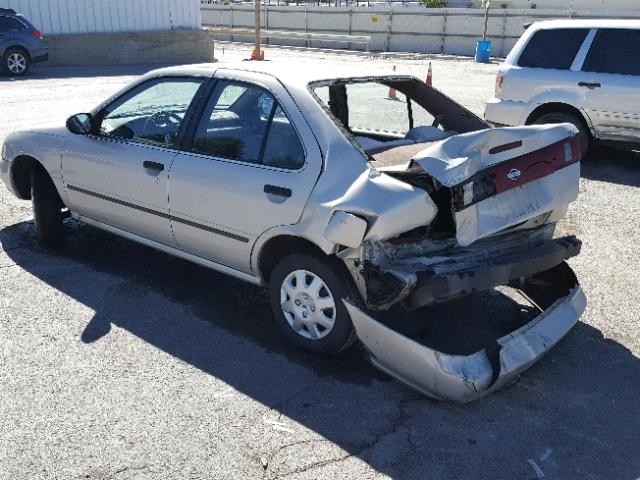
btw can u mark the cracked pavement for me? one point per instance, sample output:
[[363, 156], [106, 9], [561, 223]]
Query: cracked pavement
[[120, 362]]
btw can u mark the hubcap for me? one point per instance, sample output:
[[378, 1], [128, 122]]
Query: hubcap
[[17, 63], [307, 304]]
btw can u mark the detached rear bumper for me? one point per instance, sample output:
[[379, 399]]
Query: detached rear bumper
[[464, 378]]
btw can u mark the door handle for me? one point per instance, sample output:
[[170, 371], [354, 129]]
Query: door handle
[[590, 85], [279, 191], [158, 167]]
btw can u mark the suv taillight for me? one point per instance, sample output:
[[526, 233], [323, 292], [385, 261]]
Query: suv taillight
[[499, 82], [37, 34]]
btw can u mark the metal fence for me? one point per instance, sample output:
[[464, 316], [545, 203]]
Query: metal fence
[[397, 28], [87, 16]]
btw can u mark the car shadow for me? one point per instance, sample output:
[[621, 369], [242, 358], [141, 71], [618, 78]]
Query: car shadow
[[46, 73], [608, 164], [580, 403]]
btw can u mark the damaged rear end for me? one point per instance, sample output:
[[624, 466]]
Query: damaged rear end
[[498, 195]]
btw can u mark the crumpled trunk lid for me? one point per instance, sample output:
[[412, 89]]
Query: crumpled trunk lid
[[503, 177]]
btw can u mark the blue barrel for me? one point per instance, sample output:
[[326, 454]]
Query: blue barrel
[[483, 50]]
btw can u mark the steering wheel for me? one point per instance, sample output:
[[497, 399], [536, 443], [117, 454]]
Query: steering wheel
[[162, 121]]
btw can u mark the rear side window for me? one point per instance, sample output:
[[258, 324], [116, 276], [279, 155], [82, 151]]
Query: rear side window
[[553, 48], [245, 123], [615, 51], [9, 23]]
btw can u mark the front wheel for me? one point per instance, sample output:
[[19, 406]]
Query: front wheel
[[306, 293], [47, 208]]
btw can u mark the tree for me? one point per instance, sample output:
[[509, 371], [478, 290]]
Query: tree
[[433, 3]]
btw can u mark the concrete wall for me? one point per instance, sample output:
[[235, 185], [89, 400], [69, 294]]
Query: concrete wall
[[402, 29], [572, 4], [92, 16], [169, 47]]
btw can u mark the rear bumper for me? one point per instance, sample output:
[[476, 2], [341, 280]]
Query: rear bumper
[[465, 378], [40, 54], [506, 112], [440, 286], [40, 58]]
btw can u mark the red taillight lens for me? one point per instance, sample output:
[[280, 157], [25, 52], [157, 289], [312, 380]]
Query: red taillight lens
[[37, 34]]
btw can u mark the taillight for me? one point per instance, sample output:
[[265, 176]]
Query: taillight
[[516, 171], [499, 82], [37, 34]]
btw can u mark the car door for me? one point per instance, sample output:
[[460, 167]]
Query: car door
[[118, 174], [610, 81], [251, 166], [10, 31]]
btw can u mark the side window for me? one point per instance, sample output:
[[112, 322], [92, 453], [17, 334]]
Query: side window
[[370, 109], [614, 51], [150, 113], [8, 23], [553, 48], [243, 122], [283, 148]]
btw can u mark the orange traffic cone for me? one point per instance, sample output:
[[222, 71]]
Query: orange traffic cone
[[393, 95], [429, 80], [253, 55]]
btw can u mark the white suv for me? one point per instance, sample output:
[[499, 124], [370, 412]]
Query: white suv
[[586, 72]]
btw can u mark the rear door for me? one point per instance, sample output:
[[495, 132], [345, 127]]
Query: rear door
[[251, 165], [10, 31], [610, 82]]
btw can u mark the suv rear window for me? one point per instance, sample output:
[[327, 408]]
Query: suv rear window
[[615, 51], [553, 48], [8, 23]]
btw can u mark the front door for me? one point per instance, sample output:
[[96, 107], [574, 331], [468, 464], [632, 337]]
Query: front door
[[610, 81], [247, 170], [118, 175]]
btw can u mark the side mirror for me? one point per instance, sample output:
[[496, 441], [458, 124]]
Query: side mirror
[[80, 124]]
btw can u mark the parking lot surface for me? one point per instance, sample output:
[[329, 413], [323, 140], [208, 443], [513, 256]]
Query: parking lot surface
[[117, 361]]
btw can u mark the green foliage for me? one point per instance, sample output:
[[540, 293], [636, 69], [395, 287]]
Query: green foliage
[[433, 3]]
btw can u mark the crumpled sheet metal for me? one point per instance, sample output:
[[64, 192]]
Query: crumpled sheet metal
[[465, 378], [553, 192], [458, 158]]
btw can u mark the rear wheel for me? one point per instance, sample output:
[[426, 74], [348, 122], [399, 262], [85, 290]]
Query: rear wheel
[[306, 293], [562, 117], [47, 208], [15, 62]]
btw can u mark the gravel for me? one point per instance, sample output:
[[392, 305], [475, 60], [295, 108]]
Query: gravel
[[121, 362]]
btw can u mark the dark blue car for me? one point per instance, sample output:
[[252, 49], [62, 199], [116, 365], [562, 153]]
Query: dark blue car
[[21, 44]]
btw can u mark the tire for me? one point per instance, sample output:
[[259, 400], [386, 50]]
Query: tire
[[337, 285], [47, 208], [16, 62], [561, 117]]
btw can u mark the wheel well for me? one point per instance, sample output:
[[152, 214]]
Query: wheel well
[[18, 47], [21, 169], [279, 247], [557, 108]]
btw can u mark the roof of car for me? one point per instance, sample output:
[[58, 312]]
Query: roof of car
[[589, 23], [287, 72]]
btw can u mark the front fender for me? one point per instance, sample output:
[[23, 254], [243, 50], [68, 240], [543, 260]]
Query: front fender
[[44, 145]]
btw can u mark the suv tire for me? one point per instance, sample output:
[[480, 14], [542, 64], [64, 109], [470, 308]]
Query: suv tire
[[319, 296], [47, 208], [563, 117], [15, 62]]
